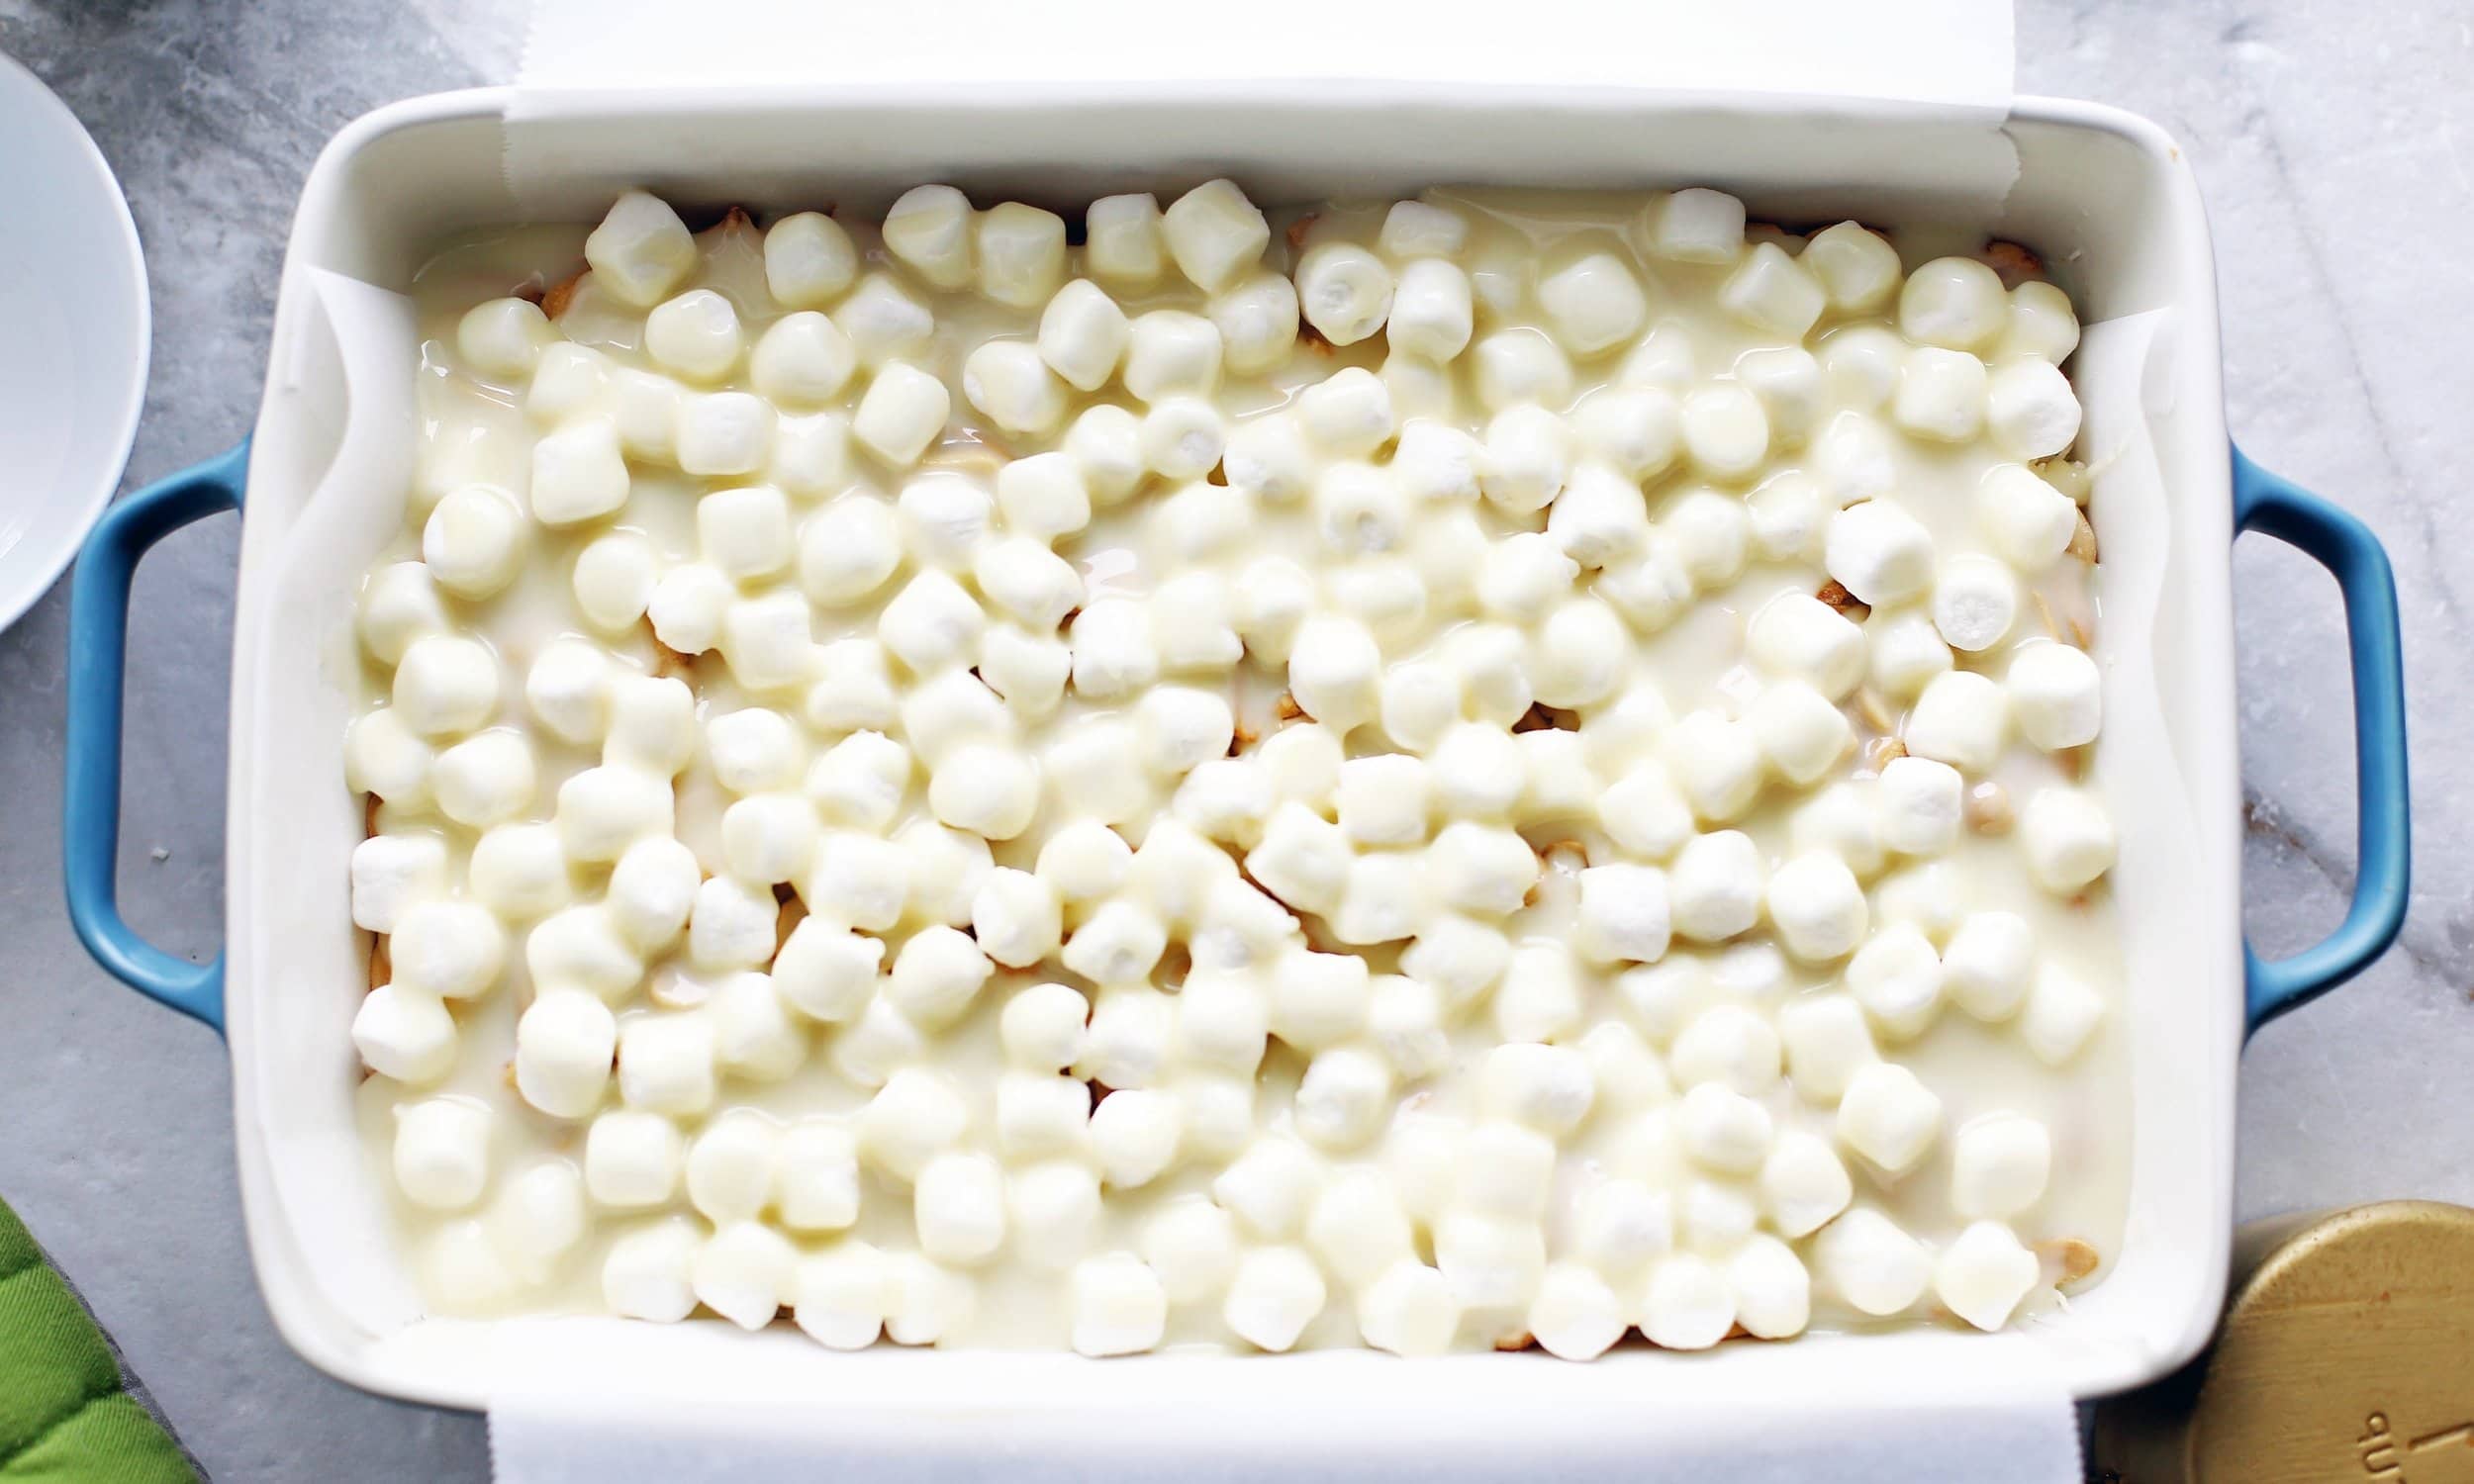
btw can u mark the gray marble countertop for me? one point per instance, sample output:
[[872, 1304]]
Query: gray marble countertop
[[2335, 145]]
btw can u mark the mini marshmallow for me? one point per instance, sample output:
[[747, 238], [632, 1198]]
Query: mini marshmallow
[[1773, 1291], [1344, 291], [2058, 696], [943, 519], [1687, 1304], [1695, 226], [1276, 1292], [1095, 769], [1540, 996], [1942, 395], [1489, 659], [1818, 907], [1505, 1171], [2070, 841], [1575, 1315], [753, 750], [731, 926], [398, 604], [1190, 624], [1083, 335], [1359, 510], [1787, 383], [1960, 719], [1803, 1184], [450, 949], [1897, 977], [1085, 860], [1317, 999], [1715, 886], [631, 1159], [1717, 1217], [720, 432], [1021, 253], [648, 1272], [689, 605], [958, 1205], [390, 873], [404, 1034], [1800, 636], [1926, 896], [1855, 460], [741, 1272], [1434, 461], [933, 623], [1862, 365], [585, 948], [1888, 1116], [1405, 1020], [1622, 1223], [1113, 651], [1636, 430], [1525, 458], [1858, 268], [884, 322], [1866, 1260], [1052, 1209], [1127, 1043], [729, 1167], [1383, 800], [1169, 352], [444, 686], [1134, 1135], [1953, 301], [1212, 231], [861, 781], [504, 337], [1839, 820], [1974, 602], [1724, 1130], [876, 1045], [1905, 653], [904, 411], [568, 689], [1592, 302], [1773, 292], [1257, 318], [990, 789], [1266, 456], [1218, 1113], [564, 1044], [1556, 778], [1118, 944], [2061, 1013], [473, 542], [1579, 653], [1270, 1187], [1798, 730], [1043, 497], [1523, 575], [768, 838], [1334, 671], [913, 1117], [1009, 382], [1987, 962], [1348, 414], [1730, 1045], [744, 532], [1225, 799], [2041, 323], [1999, 1164], [1489, 1261], [1704, 533], [1985, 1275], [666, 1063], [928, 228], [1643, 813], [1408, 1310], [1120, 1306], [1343, 1099], [1015, 918], [937, 976], [695, 335], [538, 1218], [1105, 443], [808, 259], [1725, 431], [604, 810], [1623, 914], [924, 1302], [1827, 1043], [640, 250], [1880, 552], [644, 408], [1916, 806], [1461, 958], [1431, 312], [1191, 1245], [827, 972], [1478, 867], [2030, 409], [838, 1296]]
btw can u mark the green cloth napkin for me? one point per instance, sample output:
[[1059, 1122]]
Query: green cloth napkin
[[66, 1415]]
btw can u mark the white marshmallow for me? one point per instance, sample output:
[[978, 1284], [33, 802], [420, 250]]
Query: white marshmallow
[[1818, 907], [1505, 1171], [1889, 1116], [1435, 461], [1523, 575], [648, 1272], [1334, 671], [1942, 395], [1359, 510], [937, 976], [732, 925], [943, 519], [884, 322], [958, 1205], [1134, 1135], [1488, 1262], [1127, 1043], [390, 873], [928, 228], [1905, 653], [1880, 552], [1113, 651], [1870, 1263], [1575, 1315], [915, 1116], [1191, 1245], [2041, 323], [631, 1159], [585, 948], [933, 623], [1800, 732], [1525, 458], [473, 542], [1383, 800], [1897, 977], [1855, 460], [1344, 291], [444, 686], [1695, 226], [1987, 965], [1704, 533], [1270, 1187], [825, 973], [1723, 1130], [695, 335], [1975, 602], [1787, 383], [1343, 1099], [1276, 1292], [2062, 1012], [2058, 696], [1052, 1211], [1985, 1275], [538, 1218], [808, 259], [990, 789], [1839, 820], [1730, 1045], [1579, 655], [1803, 1184], [1317, 999], [1644, 814], [1257, 318], [1770, 291], [640, 250], [1009, 382], [689, 605], [1960, 719], [453, 950], [1926, 896], [720, 432], [1827, 1043], [1558, 781], [861, 781], [1715, 886], [1623, 914], [1431, 311], [741, 1272], [666, 1063], [398, 604], [924, 1302], [1858, 268], [1212, 231], [644, 408], [902, 411], [1797, 636], [1773, 1291], [564, 1044], [1461, 958], [1478, 868], [604, 810], [1348, 414], [1687, 1304], [1916, 806], [1118, 944], [1029, 673], [877, 1044], [504, 337], [1169, 353], [652, 724], [1999, 1164], [744, 532], [838, 1296], [1726, 431], [1593, 302], [2069, 839], [1621, 1224], [729, 1167], [404, 1034], [1491, 659], [1120, 1306], [1021, 253], [568, 689], [1862, 365], [1953, 301], [769, 837], [1225, 799], [1408, 1310]]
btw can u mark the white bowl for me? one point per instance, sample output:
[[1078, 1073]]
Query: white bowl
[[73, 338]]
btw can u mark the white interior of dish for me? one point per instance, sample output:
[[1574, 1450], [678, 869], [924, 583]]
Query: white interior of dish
[[2105, 198]]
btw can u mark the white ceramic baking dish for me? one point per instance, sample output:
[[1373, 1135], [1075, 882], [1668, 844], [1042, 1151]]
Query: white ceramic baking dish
[[2105, 196]]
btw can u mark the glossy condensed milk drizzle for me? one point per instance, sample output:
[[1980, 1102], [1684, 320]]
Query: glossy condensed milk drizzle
[[1499, 769]]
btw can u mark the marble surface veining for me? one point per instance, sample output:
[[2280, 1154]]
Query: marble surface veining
[[2334, 143]]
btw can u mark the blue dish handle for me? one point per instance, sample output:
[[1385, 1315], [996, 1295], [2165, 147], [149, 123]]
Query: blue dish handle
[[98, 652], [2337, 540]]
